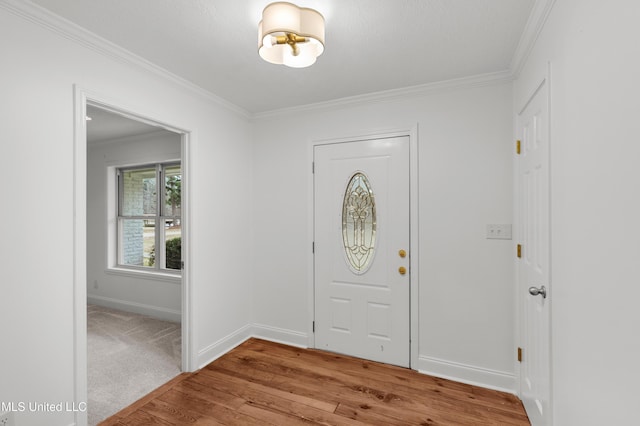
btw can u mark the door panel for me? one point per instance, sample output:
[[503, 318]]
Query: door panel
[[533, 269], [362, 311]]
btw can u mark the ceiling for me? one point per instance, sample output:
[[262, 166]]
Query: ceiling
[[108, 126], [371, 45]]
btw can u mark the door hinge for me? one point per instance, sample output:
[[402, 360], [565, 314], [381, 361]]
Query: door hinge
[[517, 147], [313, 167], [313, 247], [313, 326], [519, 251], [182, 264], [519, 354]]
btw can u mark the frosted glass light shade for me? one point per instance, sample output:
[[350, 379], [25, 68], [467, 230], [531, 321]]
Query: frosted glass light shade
[[290, 35]]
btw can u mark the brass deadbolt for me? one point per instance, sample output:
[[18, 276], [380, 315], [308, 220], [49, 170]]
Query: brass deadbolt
[[402, 270], [402, 253]]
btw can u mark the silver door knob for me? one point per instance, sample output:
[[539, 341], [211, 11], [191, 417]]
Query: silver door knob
[[538, 291]]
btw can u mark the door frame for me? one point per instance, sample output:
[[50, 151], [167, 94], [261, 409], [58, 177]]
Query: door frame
[[541, 82], [82, 97], [414, 305]]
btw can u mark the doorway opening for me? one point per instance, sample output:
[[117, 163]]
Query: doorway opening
[[134, 222], [130, 249]]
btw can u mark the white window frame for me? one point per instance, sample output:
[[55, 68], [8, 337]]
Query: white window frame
[[159, 217]]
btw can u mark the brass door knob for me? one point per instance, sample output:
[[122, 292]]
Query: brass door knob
[[402, 253], [402, 270]]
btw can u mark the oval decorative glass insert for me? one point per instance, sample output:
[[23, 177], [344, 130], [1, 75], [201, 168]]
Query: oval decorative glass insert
[[359, 223]]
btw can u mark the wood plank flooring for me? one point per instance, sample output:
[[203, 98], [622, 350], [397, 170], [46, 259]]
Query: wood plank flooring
[[265, 383]]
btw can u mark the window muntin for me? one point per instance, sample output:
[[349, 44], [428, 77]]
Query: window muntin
[[149, 220]]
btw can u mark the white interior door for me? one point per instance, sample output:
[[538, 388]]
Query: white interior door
[[361, 234], [533, 269]]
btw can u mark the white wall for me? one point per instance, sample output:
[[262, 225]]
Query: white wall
[[465, 173], [595, 67], [465, 145], [133, 292], [39, 69]]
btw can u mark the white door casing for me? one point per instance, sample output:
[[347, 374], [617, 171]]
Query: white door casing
[[534, 284], [82, 97], [363, 313]]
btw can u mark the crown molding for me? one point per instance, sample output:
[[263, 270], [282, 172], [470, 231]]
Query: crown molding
[[46, 19], [67, 29], [480, 80], [537, 19]]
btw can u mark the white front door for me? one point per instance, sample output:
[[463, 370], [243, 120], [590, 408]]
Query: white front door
[[361, 234], [533, 267]]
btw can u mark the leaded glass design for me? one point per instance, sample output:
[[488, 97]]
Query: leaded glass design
[[359, 223]]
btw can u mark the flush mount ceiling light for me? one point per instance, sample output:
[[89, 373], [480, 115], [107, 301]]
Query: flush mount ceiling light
[[290, 35]]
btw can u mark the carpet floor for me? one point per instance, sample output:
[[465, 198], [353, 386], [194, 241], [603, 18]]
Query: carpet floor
[[129, 355]]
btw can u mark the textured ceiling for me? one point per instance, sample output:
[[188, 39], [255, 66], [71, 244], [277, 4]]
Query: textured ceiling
[[371, 45]]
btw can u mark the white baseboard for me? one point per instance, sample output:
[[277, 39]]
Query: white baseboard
[[222, 346], [137, 308], [259, 331], [469, 374], [280, 335], [477, 376]]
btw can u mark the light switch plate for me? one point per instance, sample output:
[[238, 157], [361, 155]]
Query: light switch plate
[[499, 232]]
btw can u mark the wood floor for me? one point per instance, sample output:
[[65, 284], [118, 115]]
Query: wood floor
[[264, 383]]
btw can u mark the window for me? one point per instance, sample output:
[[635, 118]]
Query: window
[[149, 217], [359, 223]]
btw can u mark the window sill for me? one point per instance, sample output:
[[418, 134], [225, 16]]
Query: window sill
[[148, 275]]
